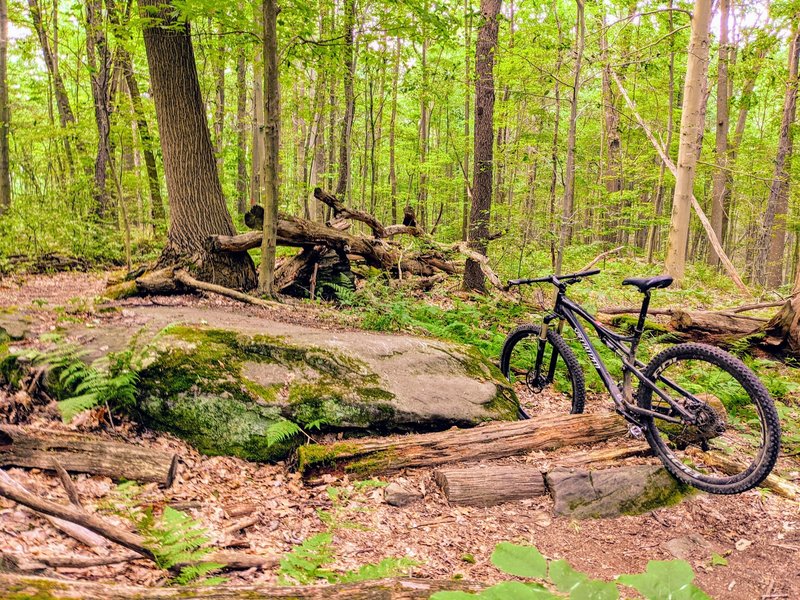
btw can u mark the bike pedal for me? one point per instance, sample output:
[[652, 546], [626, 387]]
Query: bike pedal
[[635, 431]]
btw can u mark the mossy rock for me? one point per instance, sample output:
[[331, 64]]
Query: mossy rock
[[634, 490], [223, 390]]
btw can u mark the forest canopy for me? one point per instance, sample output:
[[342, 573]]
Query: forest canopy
[[378, 104]]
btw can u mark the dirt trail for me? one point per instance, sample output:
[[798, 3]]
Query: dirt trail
[[758, 532]]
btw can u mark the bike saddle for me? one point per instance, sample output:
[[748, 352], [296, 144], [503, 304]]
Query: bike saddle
[[647, 283]]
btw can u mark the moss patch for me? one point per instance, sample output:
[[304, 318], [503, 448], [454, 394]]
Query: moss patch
[[196, 389]]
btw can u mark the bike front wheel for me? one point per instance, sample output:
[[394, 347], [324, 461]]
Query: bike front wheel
[[730, 441], [560, 384]]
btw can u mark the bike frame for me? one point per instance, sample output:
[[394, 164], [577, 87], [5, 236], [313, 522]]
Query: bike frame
[[624, 346]]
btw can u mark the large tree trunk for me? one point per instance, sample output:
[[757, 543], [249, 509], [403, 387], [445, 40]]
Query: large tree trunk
[[768, 263], [484, 142], [23, 586], [99, 59], [691, 136], [497, 440], [197, 206], [721, 175], [272, 122], [5, 176]]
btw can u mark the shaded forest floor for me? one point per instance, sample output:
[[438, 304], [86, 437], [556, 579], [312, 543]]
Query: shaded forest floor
[[757, 532]]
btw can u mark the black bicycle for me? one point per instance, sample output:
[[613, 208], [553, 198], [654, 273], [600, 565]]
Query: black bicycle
[[706, 415]]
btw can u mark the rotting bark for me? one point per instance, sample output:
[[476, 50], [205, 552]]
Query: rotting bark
[[80, 453], [389, 455], [380, 589]]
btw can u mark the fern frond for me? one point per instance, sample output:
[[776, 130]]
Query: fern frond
[[281, 431]]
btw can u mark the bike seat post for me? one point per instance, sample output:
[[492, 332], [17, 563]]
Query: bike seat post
[[643, 313]]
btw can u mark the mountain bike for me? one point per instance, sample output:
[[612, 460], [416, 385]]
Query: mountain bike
[[705, 414]]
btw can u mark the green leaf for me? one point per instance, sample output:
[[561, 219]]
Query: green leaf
[[564, 576], [522, 561], [579, 586], [516, 590], [448, 595], [593, 589], [665, 580], [717, 560]]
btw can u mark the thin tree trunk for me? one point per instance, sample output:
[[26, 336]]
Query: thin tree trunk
[[65, 114], [99, 58], [653, 233], [423, 140], [5, 175], [480, 214], [768, 263], [257, 154], [691, 135], [568, 201], [197, 206], [721, 175], [613, 170], [241, 132], [393, 129], [219, 113], [554, 147], [272, 120], [467, 103], [343, 184]]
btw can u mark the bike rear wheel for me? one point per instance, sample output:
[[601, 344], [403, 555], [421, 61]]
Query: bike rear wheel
[[734, 443], [561, 383]]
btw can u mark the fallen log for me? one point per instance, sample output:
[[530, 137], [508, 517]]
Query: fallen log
[[496, 440], [74, 515], [80, 453], [714, 323], [16, 586], [490, 485], [782, 487], [25, 562]]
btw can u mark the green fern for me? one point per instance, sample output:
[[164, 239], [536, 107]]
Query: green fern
[[304, 563], [111, 381], [281, 431]]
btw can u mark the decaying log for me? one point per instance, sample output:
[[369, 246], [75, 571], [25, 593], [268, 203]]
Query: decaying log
[[496, 440], [714, 323], [604, 455], [74, 515], [490, 485], [17, 586], [80, 453], [782, 332]]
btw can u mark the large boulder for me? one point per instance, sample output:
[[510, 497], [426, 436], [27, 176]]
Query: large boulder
[[222, 383]]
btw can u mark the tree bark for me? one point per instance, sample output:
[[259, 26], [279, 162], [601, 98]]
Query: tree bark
[[219, 109], [380, 589], [467, 193], [272, 116], [768, 263], [721, 175], [389, 455], [5, 118], [613, 168], [81, 453], [489, 485], [691, 136], [484, 142], [197, 206]]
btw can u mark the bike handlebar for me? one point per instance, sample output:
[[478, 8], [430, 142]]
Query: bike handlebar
[[556, 280]]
